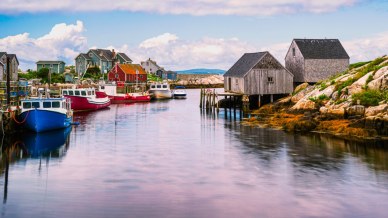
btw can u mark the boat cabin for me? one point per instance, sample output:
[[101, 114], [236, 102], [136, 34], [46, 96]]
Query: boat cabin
[[53, 104], [160, 86], [89, 92]]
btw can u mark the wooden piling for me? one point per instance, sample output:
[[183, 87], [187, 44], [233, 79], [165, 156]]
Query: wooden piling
[[200, 99]]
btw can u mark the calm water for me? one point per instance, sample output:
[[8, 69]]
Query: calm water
[[167, 159]]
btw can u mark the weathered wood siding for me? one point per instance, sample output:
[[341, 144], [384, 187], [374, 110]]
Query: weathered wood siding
[[321, 69], [257, 82], [295, 63], [2, 73], [237, 84]]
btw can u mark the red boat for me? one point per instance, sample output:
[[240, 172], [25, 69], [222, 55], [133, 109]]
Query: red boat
[[118, 98], [86, 99]]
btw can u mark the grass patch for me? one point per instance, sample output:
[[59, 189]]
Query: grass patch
[[370, 97], [358, 64], [319, 100]]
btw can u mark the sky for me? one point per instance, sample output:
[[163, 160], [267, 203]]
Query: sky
[[187, 34]]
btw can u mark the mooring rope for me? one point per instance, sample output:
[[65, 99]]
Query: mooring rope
[[18, 122]]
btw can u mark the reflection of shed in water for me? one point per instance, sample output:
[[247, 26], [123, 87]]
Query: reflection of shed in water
[[260, 76]]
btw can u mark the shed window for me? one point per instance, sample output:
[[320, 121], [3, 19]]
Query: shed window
[[293, 52], [236, 81], [270, 79]]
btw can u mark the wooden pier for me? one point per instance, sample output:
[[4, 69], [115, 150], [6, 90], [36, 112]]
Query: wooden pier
[[210, 101]]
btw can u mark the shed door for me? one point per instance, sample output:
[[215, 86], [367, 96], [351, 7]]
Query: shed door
[[230, 84]]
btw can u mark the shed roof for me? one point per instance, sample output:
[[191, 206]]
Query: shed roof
[[321, 49], [125, 57], [132, 68], [50, 62], [244, 64], [11, 56]]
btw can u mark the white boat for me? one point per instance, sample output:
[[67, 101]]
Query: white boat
[[179, 92], [160, 90]]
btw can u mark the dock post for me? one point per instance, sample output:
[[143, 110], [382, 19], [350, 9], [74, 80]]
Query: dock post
[[214, 100], [259, 101], [200, 99], [271, 98], [234, 107]]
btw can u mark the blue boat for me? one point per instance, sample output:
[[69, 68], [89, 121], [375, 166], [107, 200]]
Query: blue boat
[[45, 114]]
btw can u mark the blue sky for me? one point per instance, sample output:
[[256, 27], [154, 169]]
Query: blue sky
[[182, 34]]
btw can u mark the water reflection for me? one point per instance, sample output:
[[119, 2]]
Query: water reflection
[[52, 144]]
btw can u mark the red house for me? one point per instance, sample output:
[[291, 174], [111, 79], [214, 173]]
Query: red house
[[130, 73]]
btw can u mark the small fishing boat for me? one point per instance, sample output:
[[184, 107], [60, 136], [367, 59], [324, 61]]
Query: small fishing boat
[[45, 114], [86, 99], [179, 92], [117, 98], [160, 90]]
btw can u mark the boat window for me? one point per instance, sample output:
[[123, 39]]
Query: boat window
[[56, 104], [152, 86], [26, 105], [89, 93], [47, 104], [93, 92], [83, 93], [71, 92], [165, 86], [65, 92], [76, 92], [158, 86], [35, 105]]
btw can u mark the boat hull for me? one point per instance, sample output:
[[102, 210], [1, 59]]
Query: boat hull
[[79, 103], [161, 94], [129, 98], [44, 120], [179, 96]]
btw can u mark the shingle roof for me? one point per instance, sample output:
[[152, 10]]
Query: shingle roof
[[50, 62], [85, 56], [2, 53], [125, 57], [244, 64], [107, 55], [132, 68], [321, 49]]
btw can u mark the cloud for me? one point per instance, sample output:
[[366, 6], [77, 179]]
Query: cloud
[[193, 7], [366, 49], [62, 42]]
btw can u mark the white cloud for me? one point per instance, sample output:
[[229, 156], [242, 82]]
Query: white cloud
[[62, 42], [366, 49], [161, 40], [193, 7]]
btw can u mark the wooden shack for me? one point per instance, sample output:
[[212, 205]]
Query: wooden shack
[[258, 74], [312, 60]]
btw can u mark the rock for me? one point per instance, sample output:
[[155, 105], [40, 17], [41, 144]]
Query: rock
[[373, 111], [380, 72], [301, 87], [357, 86], [328, 91], [380, 83], [377, 123], [356, 110], [304, 104], [301, 94]]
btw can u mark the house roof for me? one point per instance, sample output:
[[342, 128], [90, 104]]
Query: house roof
[[321, 49], [104, 54], [131, 68], [50, 62], [125, 57], [84, 56], [244, 64], [11, 56], [2, 53]]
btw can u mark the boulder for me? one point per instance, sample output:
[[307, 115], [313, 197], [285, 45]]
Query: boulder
[[373, 111], [355, 110], [301, 87], [380, 72], [304, 104], [357, 86], [301, 94]]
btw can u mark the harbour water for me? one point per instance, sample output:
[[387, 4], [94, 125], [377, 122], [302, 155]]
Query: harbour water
[[169, 159]]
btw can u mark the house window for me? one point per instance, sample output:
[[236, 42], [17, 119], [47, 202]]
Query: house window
[[90, 54], [270, 79], [293, 52]]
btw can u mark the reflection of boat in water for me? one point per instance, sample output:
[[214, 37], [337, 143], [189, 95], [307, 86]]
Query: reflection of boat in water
[[40, 144]]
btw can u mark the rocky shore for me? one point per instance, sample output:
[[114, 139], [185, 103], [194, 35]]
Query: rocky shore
[[352, 104], [200, 80]]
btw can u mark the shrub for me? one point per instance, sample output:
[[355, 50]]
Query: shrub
[[358, 64], [319, 100], [369, 97]]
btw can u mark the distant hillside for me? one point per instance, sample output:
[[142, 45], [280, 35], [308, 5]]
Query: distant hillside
[[201, 71]]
